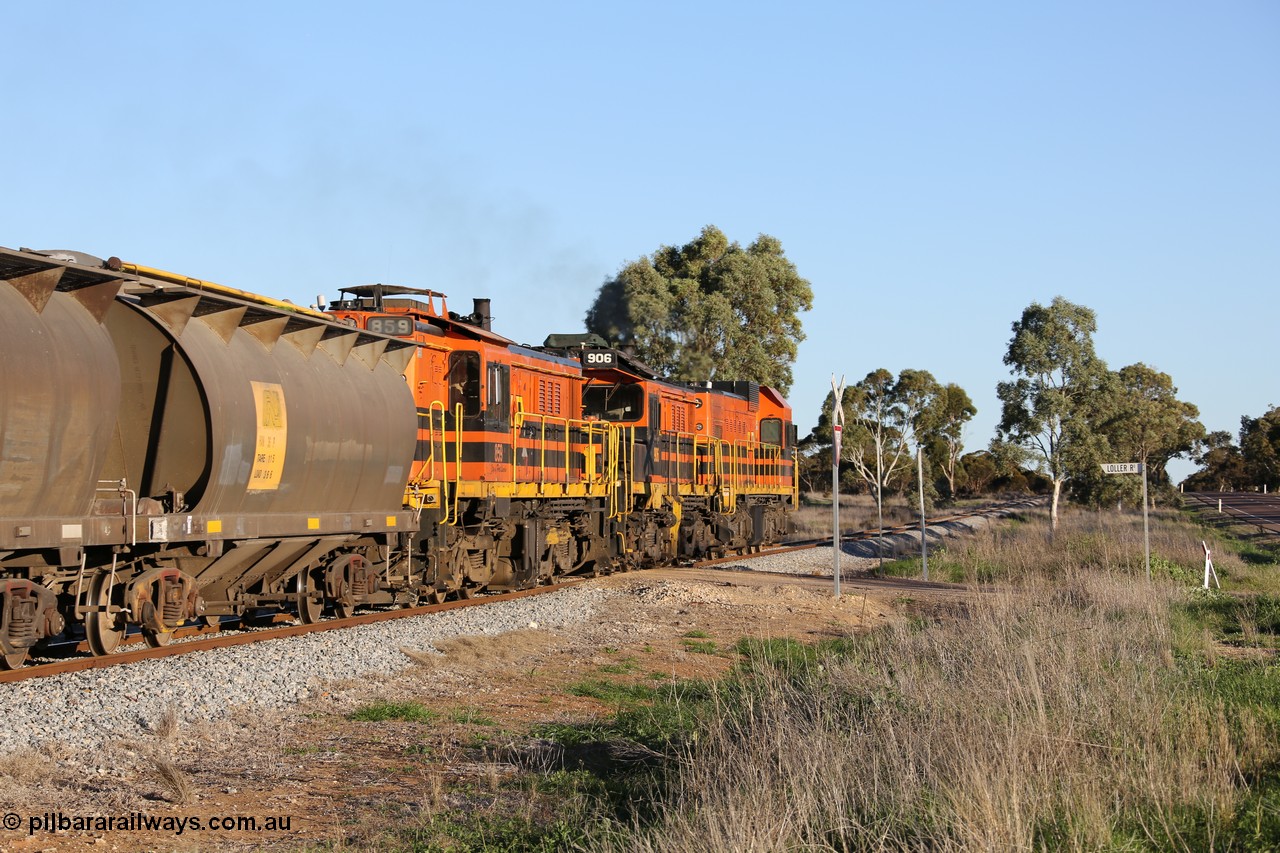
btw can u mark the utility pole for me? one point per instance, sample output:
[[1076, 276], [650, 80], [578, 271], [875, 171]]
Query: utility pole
[[924, 546], [837, 427]]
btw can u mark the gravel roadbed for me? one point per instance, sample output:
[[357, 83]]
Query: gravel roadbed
[[88, 709]]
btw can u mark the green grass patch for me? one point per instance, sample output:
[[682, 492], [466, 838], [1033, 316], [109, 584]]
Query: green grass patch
[[701, 647], [1235, 618], [790, 656], [378, 712], [1238, 684], [1253, 825], [467, 831], [625, 666], [696, 635], [655, 716], [909, 567], [471, 717], [612, 691]]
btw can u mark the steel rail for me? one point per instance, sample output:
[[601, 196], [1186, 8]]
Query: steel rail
[[226, 640], [221, 637]]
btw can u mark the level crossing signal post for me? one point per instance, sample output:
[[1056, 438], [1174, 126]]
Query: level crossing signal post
[[1136, 468]]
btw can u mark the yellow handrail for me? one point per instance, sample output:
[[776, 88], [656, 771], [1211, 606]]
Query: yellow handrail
[[451, 517], [199, 284], [589, 430]]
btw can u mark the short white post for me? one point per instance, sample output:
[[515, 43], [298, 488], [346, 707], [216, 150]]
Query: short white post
[[1208, 567]]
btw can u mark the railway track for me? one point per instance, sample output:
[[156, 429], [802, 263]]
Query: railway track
[[204, 637]]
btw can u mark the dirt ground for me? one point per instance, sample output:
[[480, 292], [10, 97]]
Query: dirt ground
[[332, 778]]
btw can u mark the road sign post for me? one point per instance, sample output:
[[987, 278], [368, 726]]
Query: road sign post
[[1136, 468]]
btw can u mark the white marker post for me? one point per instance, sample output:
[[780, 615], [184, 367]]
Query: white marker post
[[837, 427], [1208, 567], [1136, 468]]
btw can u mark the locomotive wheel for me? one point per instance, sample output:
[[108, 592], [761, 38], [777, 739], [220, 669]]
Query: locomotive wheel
[[342, 610], [309, 609], [13, 660], [100, 627]]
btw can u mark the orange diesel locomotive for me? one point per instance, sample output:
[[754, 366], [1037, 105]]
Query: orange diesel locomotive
[[572, 457]]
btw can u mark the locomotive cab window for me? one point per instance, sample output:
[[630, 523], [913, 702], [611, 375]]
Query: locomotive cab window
[[613, 402], [771, 431], [498, 394], [464, 383]]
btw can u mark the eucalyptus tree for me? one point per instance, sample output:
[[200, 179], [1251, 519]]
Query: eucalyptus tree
[[942, 425], [708, 309], [883, 415], [1260, 448], [1056, 376], [1222, 465], [1142, 420]]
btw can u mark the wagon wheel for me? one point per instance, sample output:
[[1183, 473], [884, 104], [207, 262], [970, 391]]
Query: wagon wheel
[[309, 608], [157, 639], [341, 575], [12, 655], [100, 626]]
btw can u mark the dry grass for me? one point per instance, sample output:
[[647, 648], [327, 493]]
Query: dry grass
[[177, 785], [1049, 714], [168, 725], [857, 512], [24, 766]]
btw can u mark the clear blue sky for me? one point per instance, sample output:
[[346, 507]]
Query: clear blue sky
[[931, 168]]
